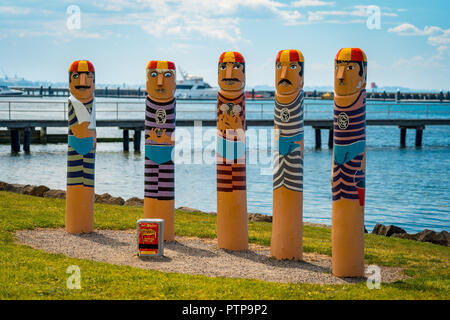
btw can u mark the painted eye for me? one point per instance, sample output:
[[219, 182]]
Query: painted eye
[[293, 66], [153, 74], [223, 66], [168, 74], [279, 66], [350, 68], [335, 67], [236, 65], [76, 75]]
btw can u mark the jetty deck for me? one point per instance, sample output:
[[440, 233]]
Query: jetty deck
[[15, 127]]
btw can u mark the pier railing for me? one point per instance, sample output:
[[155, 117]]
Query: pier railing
[[57, 110]]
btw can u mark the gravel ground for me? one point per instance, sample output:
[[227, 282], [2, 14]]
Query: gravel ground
[[191, 255]]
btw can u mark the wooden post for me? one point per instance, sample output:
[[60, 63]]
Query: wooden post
[[159, 169], [287, 222], [232, 222], [137, 140], [349, 163], [419, 134], [126, 141], [26, 139], [318, 138], [82, 143], [15, 140], [330, 138], [402, 137]]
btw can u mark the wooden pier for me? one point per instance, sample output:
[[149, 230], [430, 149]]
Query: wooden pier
[[265, 94], [27, 128]]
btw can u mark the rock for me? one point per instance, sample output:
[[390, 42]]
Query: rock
[[443, 238], [388, 231], [379, 229], [3, 186], [259, 217], [57, 194], [108, 199], [134, 202], [405, 236], [37, 191], [187, 209], [391, 229], [365, 230], [426, 235]]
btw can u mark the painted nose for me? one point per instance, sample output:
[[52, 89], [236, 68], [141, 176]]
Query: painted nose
[[83, 78], [340, 72], [229, 70], [283, 72], [159, 79]]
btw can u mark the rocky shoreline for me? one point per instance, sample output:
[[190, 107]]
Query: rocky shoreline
[[441, 238]]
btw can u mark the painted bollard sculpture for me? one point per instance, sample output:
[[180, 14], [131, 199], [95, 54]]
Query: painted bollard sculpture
[[288, 157], [80, 194], [159, 143], [232, 230], [349, 162]]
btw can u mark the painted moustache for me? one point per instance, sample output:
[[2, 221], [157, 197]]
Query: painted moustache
[[231, 80], [284, 82]]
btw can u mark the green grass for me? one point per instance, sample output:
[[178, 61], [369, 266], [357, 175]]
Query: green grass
[[26, 273]]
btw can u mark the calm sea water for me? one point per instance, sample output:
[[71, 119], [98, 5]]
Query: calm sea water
[[408, 187]]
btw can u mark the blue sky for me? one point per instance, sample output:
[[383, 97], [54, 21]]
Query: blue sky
[[410, 49]]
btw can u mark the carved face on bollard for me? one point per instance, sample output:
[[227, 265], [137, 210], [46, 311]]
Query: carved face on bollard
[[350, 71], [161, 80], [82, 80], [289, 72], [231, 77]]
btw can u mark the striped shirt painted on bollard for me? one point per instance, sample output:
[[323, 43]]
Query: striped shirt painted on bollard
[[288, 159], [349, 147], [159, 166], [80, 165]]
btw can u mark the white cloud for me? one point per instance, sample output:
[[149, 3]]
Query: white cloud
[[14, 10], [332, 16], [437, 36], [311, 3]]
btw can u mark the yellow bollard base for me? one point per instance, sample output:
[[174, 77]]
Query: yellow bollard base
[[232, 223], [287, 225], [162, 209], [347, 238], [79, 209]]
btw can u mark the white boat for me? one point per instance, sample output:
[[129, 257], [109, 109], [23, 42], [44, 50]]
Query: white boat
[[5, 91], [194, 87]]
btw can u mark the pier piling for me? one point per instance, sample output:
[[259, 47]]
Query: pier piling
[[137, 140], [43, 135], [15, 140], [318, 138], [126, 141], [402, 137], [330, 138], [26, 139], [419, 134]]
